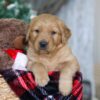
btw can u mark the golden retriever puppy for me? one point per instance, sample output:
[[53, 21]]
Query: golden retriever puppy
[[48, 51]]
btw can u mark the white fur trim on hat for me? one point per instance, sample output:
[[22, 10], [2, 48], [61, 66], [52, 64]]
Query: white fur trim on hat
[[20, 62]]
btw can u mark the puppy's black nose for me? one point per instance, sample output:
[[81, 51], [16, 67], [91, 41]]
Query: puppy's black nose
[[43, 44]]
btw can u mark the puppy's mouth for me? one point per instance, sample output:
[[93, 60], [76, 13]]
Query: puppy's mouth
[[43, 51]]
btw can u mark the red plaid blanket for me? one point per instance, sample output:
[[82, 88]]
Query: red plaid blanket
[[23, 84]]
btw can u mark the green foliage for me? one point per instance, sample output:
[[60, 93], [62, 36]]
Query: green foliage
[[15, 9]]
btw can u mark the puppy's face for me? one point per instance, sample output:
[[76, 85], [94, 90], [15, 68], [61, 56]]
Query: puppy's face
[[47, 33]]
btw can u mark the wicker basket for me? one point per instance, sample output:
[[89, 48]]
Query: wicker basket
[[5, 92]]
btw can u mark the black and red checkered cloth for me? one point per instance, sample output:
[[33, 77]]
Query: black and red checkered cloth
[[24, 86]]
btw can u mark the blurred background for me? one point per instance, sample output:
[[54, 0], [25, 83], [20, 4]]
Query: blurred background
[[83, 18]]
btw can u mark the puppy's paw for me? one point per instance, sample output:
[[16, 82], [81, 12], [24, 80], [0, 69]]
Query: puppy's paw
[[42, 80], [65, 87]]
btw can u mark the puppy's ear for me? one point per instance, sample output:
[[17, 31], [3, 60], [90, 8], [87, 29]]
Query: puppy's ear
[[66, 35], [30, 28], [65, 32], [27, 34]]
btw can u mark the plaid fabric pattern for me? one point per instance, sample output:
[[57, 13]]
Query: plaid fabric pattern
[[23, 84]]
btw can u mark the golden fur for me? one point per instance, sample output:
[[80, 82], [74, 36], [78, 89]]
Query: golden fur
[[56, 57]]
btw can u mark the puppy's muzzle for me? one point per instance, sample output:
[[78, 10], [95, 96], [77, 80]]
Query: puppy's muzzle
[[43, 44]]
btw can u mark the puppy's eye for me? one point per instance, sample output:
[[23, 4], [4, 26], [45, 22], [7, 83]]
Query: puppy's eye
[[37, 31], [53, 32]]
